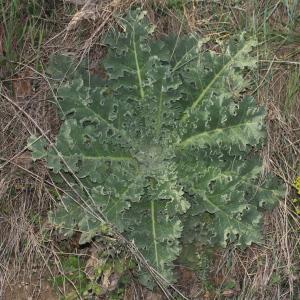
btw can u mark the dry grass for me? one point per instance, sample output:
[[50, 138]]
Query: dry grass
[[271, 271], [266, 272], [25, 198]]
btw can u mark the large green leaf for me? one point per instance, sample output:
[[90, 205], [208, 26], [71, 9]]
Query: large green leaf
[[163, 148]]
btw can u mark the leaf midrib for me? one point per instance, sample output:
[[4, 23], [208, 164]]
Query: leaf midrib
[[227, 215], [208, 87], [138, 70], [154, 236], [159, 113], [190, 139], [95, 158]]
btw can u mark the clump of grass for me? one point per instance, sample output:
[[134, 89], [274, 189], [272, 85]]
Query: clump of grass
[[25, 26]]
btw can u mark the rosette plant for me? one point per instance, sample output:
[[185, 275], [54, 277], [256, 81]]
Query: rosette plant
[[165, 146]]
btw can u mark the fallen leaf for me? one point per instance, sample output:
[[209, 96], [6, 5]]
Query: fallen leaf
[[22, 84], [109, 281], [229, 293]]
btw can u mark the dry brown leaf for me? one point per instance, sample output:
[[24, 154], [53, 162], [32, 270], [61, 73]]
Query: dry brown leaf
[[229, 293], [22, 84], [92, 263], [110, 280]]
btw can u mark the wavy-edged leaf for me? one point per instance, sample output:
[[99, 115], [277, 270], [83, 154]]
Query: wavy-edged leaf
[[226, 124], [163, 147]]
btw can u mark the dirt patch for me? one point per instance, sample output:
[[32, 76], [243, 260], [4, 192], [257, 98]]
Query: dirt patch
[[35, 289]]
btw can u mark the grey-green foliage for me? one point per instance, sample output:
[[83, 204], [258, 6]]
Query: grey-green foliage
[[164, 146]]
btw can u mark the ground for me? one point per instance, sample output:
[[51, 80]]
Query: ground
[[35, 261]]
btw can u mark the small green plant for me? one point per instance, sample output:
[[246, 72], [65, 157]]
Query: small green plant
[[165, 149], [73, 271], [106, 273], [297, 200], [297, 185]]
